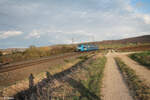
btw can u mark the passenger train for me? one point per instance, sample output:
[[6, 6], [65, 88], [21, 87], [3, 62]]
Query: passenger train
[[87, 47]]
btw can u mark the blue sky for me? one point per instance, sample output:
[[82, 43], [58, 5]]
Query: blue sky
[[142, 6], [47, 22]]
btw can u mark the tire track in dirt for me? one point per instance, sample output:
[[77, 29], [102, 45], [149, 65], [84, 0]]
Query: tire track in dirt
[[140, 70], [114, 87]]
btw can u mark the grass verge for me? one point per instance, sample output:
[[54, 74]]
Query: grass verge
[[94, 76], [143, 58], [139, 89]]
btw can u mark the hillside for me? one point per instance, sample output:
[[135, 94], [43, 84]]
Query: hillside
[[139, 39], [135, 40]]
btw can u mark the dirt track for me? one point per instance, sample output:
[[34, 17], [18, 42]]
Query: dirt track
[[114, 87], [141, 71]]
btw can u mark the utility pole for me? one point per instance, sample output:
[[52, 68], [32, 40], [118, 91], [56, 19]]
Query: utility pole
[[72, 40]]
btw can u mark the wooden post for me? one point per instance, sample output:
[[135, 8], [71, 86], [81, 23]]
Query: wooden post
[[33, 96], [49, 76], [31, 81]]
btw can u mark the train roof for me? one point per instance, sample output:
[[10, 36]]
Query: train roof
[[87, 45]]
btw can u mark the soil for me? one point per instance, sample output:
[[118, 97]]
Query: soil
[[136, 48], [11, 77], [141, 71], [114, 87]]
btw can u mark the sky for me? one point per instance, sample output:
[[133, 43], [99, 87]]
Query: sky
[[48, 22]]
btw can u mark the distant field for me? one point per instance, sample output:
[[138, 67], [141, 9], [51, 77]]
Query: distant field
[[34, 53], [141, 47], [143, 58], [115, 45]]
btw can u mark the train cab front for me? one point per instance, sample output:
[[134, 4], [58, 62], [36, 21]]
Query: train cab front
[[78, 48]]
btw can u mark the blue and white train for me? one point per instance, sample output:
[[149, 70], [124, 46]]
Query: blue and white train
[[87, 47]]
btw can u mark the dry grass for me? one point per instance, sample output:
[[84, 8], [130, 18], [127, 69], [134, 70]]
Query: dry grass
[[80, 82], [23, 84], [141, 47]]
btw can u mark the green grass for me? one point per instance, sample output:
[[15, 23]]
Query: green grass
[[83, 57], [143, 58], [139, 89], [94, 76], [90, 80]]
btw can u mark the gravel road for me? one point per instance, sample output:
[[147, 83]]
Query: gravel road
[[114, 87], [141, 71]]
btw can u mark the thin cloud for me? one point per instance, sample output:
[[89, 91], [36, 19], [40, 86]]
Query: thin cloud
[[58, 21], [8, 34], [33, 34], [147, 19]]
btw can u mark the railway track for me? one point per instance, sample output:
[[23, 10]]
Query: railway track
[[11, 67]]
